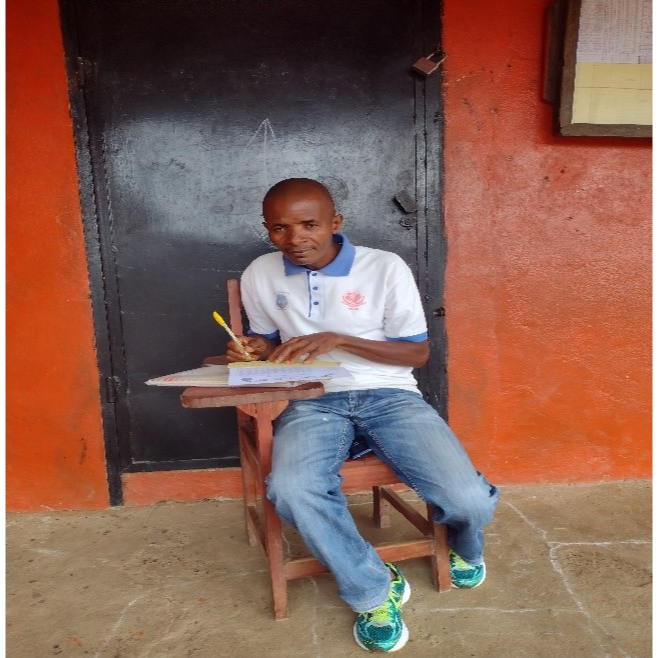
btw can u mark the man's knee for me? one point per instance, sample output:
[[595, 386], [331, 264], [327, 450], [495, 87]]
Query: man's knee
[[481, 503], [288, 491]]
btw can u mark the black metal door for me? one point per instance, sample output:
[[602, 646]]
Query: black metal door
[[185, 112]]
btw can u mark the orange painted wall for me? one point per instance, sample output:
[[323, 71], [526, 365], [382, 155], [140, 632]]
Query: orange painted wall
[[547, 284], [54, 446], [549, 266]]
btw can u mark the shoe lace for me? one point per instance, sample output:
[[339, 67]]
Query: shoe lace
[[458, 562], [382, 615]]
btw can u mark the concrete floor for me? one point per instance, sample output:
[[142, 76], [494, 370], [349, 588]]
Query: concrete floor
[[569, 576]]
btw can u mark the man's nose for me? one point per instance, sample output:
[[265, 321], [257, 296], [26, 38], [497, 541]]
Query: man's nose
[[295, 236]]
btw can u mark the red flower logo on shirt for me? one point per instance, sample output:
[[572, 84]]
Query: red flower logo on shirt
[[353, 300]]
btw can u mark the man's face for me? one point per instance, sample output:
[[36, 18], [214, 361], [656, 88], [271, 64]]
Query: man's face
[[302, 227]]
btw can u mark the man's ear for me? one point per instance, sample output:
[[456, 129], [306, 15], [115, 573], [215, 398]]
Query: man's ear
[[336, 223]]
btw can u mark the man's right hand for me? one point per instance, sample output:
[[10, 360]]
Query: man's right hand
[[256, 346]]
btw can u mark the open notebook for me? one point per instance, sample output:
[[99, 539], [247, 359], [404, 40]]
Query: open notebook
[[255, 373]]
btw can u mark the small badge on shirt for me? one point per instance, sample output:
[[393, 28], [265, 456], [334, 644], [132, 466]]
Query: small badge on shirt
[[281, 300], [353, 300]]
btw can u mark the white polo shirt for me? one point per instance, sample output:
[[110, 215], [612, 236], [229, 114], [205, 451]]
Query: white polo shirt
[[363, 292]]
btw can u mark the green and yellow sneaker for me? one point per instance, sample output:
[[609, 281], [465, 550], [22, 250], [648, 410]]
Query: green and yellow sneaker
[[464, 575], [382, 629]]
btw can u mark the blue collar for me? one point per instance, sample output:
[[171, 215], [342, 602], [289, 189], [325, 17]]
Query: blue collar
[[339, 266]]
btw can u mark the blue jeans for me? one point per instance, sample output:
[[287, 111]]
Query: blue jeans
[[311, 441]]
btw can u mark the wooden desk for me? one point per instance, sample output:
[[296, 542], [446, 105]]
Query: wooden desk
[[197, 397], [257, 408]]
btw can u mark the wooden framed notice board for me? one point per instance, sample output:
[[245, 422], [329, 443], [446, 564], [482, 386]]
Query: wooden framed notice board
[[599, 67]]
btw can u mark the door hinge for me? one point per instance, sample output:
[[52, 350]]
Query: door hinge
[[111, 389]]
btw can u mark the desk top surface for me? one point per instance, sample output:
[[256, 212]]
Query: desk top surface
[[198, 397]]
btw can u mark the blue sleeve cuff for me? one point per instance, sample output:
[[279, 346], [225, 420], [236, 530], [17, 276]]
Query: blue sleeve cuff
[[273, 336], [418, 338]]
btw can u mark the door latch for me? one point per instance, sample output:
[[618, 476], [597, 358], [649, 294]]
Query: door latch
[[430, 64], [408, 205]]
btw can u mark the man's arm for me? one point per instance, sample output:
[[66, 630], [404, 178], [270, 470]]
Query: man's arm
[[397, 353]]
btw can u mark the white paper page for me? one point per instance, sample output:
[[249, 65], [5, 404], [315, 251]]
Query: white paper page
[[260, 373]]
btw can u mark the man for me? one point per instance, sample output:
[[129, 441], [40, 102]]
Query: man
[[321, 297]]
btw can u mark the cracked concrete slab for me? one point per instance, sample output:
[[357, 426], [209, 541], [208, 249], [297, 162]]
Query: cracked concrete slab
[[569, 573]]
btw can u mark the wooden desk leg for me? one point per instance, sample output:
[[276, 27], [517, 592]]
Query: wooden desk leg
[[440, 559], [249, 484], [273, 528], [381, 513]]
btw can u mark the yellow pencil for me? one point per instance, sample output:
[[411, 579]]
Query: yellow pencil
[[220, 321]]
